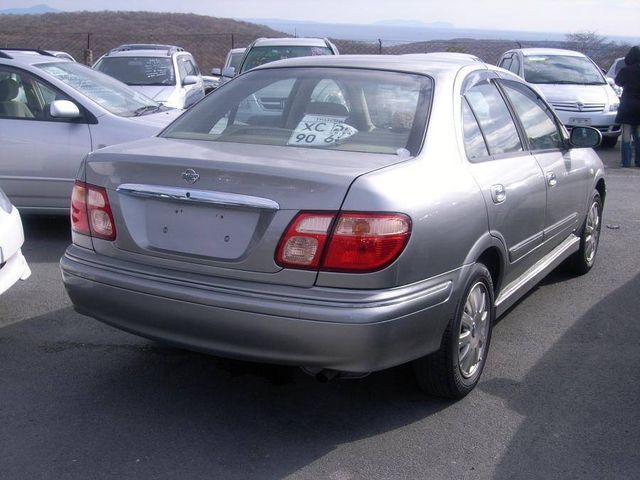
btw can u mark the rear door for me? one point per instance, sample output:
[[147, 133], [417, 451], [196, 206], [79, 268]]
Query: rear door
[[511, 180], [39, 154], [566, 175]]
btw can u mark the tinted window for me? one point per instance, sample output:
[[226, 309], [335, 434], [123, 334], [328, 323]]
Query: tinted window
[[261, 55], [139, 70], [561, 69], [537, 121], [328, 108], [506, 62], [473, 141], [494, 118], [515, 65]]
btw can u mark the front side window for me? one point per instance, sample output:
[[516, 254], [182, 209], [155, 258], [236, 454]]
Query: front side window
[[107, 92], [539, 124], [322, 108], [260, 55], [561, 69], [494, 119], [139, 71], [24, 97]]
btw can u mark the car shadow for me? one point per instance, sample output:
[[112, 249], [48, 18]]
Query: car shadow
[[87, 398], [46, 237], [585, 387]]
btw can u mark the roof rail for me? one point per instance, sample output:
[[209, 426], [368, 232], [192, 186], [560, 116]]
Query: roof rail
[[146, 46], [39, 51]]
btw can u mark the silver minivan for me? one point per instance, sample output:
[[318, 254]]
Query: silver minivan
[[52, 113], [572, 83]]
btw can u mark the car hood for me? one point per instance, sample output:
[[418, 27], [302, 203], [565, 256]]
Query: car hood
[[158, 93], [574, 93], [160, 119]]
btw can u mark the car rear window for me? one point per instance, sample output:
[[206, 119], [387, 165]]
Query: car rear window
[[323, 108], [260, 55]]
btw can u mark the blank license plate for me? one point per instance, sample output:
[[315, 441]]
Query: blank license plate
[[579, 121]]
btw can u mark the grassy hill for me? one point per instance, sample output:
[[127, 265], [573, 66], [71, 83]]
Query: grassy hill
[[208, 38]]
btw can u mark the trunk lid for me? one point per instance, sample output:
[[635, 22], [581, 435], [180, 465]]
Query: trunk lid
[[218, 208]]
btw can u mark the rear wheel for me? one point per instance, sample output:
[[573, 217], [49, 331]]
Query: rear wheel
[[454, 370], [582, 261]]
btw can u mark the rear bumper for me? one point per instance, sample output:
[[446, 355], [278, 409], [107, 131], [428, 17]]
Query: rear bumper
[[347, 330], [13, 266]]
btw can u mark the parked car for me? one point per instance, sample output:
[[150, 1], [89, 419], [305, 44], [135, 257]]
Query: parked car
[[13, 266], [266, 50], [165, 73], [454, 56], [52, 113], [234, 57], [389, 214], [572, 83]]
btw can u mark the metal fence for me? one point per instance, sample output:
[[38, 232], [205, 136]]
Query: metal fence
[[210, 49]]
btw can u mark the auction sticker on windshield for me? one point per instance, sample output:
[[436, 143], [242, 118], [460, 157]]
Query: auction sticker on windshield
[[321, 130]]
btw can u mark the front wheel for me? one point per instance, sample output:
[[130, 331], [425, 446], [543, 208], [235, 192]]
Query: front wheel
[[582, 261], [454, 370]]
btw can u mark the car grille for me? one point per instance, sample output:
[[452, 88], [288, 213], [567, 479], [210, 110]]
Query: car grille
[[578, 107]]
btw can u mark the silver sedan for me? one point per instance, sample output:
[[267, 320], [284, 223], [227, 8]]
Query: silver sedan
[[381, 210]]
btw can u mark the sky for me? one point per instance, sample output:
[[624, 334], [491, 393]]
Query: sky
[[609, 17]]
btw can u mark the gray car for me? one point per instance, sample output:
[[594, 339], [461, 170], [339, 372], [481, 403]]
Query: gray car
[[392, 211], [52, 113]]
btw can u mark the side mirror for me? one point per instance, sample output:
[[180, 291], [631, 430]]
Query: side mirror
[[585, 137], [229, 72], [189, 80], [216, 72], [64, 109]]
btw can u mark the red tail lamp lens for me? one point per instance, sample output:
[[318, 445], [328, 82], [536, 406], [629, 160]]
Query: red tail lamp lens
[[90, 211]]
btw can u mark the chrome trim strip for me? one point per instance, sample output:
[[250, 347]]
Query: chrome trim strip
[[521, 285], [159, 192]]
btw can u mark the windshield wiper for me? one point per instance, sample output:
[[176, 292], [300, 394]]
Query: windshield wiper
[[146, 109]]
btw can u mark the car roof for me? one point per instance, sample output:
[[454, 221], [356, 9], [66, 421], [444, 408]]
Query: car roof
[[237, 50], [30, 57], [547, 51], [290, 42], [403, 63], [448, 56]]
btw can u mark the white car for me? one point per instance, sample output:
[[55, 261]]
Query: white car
[[13, 266], [572, 83]]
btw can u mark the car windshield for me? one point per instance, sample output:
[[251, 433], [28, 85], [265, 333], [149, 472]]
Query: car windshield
[[260, 55], [322, 108], [561, 69], [107, 92], [139, 71]]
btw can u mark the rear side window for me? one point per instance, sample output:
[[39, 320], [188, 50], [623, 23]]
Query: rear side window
[[474, 143], [494, 119], [322, 108], [539, 124], [506, 62]]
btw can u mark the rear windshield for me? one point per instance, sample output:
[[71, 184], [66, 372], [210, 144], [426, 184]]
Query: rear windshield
[[150, 71], [561, 69], [260, 55], [327, 108]]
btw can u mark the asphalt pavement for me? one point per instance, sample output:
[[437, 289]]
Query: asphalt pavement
[[558, 397]]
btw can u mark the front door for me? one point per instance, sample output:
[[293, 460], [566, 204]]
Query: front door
[[39, 154]]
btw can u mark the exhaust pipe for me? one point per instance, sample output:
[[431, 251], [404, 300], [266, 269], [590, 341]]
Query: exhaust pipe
[[326, 375]]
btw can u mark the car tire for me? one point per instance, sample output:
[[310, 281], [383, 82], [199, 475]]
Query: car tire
[[609, 142], [450, 372], [583, 260]]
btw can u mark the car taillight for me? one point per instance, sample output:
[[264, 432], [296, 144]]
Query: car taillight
[[359, 242], [90, 211], [303, 242]]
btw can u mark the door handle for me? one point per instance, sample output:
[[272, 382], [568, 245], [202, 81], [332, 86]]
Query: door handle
[[498, 193], [551, 179]]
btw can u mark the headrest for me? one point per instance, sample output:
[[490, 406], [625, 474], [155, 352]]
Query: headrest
[[9, 89]]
